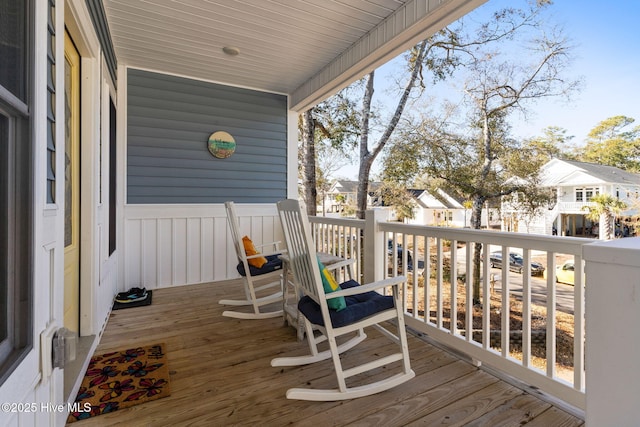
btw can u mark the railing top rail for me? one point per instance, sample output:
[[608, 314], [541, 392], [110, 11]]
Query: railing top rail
[[347, 222], [567, 245]]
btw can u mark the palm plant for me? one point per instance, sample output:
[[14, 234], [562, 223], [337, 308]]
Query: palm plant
[[605, 207]]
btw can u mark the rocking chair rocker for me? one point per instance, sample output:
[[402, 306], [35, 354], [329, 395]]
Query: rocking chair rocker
[[257, 295], [364, 308]]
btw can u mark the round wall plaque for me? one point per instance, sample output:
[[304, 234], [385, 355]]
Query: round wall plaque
[[221, 144]]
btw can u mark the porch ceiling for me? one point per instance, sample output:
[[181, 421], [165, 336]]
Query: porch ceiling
[[307, 49]]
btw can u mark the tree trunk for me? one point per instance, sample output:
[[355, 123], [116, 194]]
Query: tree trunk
[[476, 212], [367, 157], [363, 188], [366, 160], [309, 162], [476, 223]]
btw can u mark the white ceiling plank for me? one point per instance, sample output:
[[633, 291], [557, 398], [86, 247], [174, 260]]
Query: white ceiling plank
[[306, 49]]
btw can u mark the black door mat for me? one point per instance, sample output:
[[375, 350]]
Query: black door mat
[[120, 305]]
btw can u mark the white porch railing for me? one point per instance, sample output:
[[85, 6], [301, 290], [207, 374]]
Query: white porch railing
[[434, 296], [340, 237], [574, 207]]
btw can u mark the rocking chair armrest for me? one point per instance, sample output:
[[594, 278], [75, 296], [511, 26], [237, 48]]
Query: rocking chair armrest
[[340, 264], [275, 245], [391, 281], [263, 254]]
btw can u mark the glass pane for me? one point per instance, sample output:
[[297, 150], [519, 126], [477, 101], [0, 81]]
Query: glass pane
[[13, 56], [4, 227]]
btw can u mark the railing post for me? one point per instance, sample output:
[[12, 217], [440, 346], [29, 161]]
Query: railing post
[[374, 246], [613, 352]]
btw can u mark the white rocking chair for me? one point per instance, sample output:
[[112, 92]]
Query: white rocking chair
[[364, 308], [257, 293]]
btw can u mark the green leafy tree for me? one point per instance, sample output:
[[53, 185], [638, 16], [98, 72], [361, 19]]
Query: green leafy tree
[[396, 195], [527, 207], [439, 56], [612, 142], [368, 153], [604, 209], [327, 132], [480, 159], [553, 143], [496, 87]]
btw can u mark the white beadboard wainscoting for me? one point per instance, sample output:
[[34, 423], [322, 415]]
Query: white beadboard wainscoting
[[173, 245]]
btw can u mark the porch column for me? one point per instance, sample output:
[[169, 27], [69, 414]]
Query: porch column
[[374, 246], [613, 337]]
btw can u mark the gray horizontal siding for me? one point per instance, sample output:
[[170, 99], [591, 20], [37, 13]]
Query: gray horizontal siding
[[169, 123]]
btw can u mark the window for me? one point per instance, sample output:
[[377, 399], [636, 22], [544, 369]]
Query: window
[[586, 194], [15, 183]]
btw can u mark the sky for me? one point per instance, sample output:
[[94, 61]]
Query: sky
[[606, 40]]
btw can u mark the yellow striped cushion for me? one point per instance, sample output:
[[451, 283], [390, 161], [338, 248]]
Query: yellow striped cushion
[[330, 285]]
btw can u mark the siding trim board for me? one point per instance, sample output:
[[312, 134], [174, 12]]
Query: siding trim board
[[100, 25], [169, 120]]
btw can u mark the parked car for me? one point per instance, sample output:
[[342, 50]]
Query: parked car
[[400, 251], [565, 273], [516, 263]]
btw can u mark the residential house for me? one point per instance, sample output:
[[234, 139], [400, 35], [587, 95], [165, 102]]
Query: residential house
[[430, 207], [438, 208], [114, 171], [342, 196], [574, 184]]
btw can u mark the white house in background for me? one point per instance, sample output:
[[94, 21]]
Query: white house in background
[[436, 207], [431, 207], [575, 183], [343, 195]]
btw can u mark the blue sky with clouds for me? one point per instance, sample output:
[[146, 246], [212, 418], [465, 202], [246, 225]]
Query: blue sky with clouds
[[606, 36]]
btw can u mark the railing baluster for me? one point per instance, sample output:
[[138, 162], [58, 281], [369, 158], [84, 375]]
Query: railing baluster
[[426, 274], [337, 236], [394, 254], [453, 299], [578, 329], [468, 280], [439, 283], [358, 239], [551, 326], [404, 271], [404, 256], [414, 276], [486, 298], [505, 309], [526, 309]]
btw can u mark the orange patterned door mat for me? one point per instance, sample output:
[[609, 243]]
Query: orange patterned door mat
[[120, 379]]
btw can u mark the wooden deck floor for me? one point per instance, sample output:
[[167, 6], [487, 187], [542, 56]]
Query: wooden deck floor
[[221, 375]]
